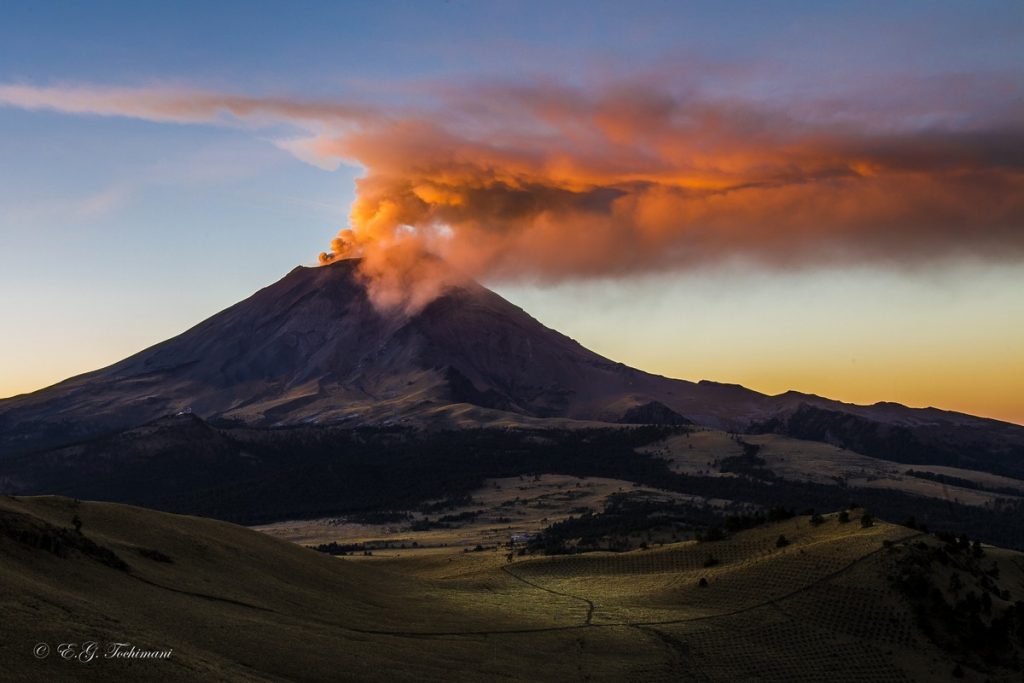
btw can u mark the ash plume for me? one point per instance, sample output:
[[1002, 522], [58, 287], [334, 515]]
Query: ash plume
[[551, 182]]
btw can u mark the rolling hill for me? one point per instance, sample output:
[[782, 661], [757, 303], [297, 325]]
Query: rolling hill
[[837, 600]]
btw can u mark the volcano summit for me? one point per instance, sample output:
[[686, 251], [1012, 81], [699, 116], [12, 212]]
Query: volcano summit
[[312, 348]]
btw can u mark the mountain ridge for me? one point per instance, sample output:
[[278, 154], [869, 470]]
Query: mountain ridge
[[312, 348]]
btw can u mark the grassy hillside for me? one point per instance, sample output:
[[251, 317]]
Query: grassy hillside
[[235, 604]]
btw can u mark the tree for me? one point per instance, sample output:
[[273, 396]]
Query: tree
[[844, 517], [866, 520]]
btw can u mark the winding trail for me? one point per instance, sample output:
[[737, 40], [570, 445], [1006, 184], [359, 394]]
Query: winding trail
[[590, 604]]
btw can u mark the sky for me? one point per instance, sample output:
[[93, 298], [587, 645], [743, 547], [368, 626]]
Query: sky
[[827, 197]]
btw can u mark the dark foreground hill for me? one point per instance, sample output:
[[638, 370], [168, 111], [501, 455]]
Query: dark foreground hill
[[312, 349], [838, 601]]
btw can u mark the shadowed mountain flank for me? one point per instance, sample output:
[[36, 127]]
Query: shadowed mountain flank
[[312, 349]]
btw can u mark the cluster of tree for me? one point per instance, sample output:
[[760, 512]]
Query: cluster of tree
[[950, 480], [625, 521], [730, 524], [55, 540], [749, 463], [459, 518], [628, 517], [447, 503], [955, 545], [334, 548], [972, 446], [379, 517], [969, 614], [445, 521]]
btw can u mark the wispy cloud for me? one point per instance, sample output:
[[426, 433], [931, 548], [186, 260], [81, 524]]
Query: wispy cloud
[[174, 105], [212, 165]]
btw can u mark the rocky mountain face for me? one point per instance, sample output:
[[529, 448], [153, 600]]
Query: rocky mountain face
[[312, 349]]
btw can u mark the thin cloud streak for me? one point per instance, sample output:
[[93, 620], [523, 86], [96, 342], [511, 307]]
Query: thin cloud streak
[[175, 105]]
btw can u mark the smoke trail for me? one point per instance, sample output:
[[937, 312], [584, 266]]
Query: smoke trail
[[552, 182]]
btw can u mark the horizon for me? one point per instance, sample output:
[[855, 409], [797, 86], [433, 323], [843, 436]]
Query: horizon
[[528, 312], [810, 198]]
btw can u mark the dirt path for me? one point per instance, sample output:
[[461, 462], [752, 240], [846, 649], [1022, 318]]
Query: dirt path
[[590, 604]]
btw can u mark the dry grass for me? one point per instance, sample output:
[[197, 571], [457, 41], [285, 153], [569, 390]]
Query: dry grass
[[811, 461], [511, 506], [239, 605]]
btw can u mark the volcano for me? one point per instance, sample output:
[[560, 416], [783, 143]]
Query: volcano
[[312, 348]]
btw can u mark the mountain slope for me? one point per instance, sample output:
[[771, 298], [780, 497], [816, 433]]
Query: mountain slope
[[311, 348]]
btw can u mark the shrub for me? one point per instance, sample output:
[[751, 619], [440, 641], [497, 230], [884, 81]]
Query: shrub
[[844, 517], [781, 541], [867, 520], [155, 555]]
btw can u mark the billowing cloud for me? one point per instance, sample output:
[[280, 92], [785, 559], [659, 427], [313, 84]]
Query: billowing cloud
[[549, 181]]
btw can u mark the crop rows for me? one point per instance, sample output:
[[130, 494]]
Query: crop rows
[[786, 651]]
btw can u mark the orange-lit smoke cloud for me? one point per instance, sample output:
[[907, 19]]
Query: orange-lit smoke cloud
[[553, 182]]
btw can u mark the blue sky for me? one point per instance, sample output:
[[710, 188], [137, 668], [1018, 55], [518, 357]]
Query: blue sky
[[316, 48], [116, 233]]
